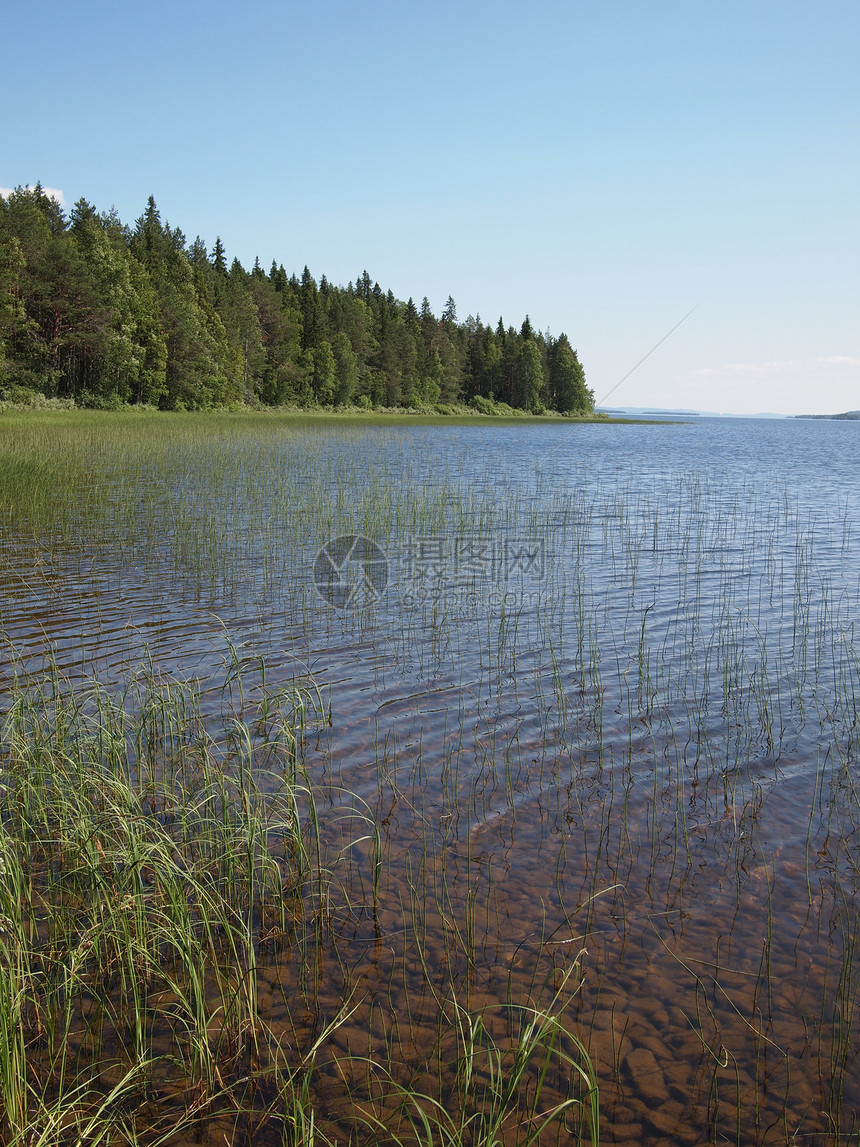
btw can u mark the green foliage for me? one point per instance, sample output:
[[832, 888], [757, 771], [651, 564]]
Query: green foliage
[[102, 315], [345, 368], [568, 391], [322, 373], [493, 409], [529, 376]]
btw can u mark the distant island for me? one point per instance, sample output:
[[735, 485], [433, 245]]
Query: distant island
[[677, 413], [848, 416], [99, 314], [665, 413]]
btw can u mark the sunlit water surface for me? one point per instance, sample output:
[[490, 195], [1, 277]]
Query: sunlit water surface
[[609, 704]]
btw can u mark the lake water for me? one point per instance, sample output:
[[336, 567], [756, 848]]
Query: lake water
[[596, 687]]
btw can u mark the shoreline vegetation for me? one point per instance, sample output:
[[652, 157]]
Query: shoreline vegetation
[[181, 891], [34, 404], [435, 868], [101, 314], [158, 877]]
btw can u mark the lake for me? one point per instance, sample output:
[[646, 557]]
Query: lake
[[578, 710]]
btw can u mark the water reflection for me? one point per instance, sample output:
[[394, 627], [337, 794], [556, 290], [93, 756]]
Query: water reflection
[[644, 750]]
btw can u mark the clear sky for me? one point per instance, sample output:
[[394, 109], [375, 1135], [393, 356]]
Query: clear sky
[[603, 167]]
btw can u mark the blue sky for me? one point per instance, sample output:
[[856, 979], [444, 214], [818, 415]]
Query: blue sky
[[601, 167]]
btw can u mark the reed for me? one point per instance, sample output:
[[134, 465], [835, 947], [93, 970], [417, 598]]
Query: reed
[[147, 868], [298, 873]]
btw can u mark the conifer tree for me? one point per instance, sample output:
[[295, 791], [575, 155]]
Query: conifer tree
[[529, 377], [102, 313], [568, 391]]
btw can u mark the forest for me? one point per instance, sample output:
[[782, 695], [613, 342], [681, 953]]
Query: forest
[[97, 313]]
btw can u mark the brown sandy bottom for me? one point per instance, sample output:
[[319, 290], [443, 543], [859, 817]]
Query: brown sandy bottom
[[633, 805], [717, 954], [695, 930]]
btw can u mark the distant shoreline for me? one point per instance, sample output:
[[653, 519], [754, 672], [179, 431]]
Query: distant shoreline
[[847, 416]]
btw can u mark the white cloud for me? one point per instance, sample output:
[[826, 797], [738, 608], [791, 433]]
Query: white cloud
[[779, 367], [52, 192]]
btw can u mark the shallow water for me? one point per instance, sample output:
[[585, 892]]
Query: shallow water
[[606, 700]]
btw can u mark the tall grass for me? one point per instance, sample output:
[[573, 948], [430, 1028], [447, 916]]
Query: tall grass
[[498, 843], [153, 874], [143, 866]]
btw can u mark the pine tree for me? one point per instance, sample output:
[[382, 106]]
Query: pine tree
[[92, 309], [219, 259], [345, 369], [568, 391], [322, 374], [529, 377], [200, 371]]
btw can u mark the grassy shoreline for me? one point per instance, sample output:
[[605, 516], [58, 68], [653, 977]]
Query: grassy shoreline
[[11, 413]]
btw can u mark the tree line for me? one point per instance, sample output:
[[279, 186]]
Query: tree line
[[105, 314]]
